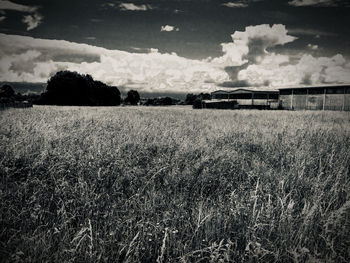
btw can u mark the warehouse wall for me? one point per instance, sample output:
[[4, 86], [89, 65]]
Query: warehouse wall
[[286, 101], [334, 102], [299, 102], [347, 102], [315, 102]]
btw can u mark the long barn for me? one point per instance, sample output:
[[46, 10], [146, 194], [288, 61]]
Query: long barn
[[238, 98], [322, 97]]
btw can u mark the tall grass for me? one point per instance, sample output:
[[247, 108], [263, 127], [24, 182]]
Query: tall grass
[[174, 185]]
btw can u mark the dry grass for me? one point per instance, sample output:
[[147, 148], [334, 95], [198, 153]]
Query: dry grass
[[174, 185]]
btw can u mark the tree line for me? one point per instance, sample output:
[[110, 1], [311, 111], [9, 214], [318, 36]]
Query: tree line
[[74, 89]]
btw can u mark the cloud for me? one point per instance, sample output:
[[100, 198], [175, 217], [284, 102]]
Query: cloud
[[96, 20], [310, 32], [309, 70], [145, 50], [35, 60], [246, 61], [32, 20], [235, 5], [251, 45], [314, 3], [313, 47], [168, 28], [177, 11], [133, 7], [8, 5]]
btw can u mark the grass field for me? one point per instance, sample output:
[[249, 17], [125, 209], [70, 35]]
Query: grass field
[[138, 184]]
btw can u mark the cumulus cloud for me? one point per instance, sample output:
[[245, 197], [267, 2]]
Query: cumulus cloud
[[246, 61], [32, 20], [314, 2], [235, 5], [35, 60], [133, 7], [251, 45], [168, 28], [309, 70]]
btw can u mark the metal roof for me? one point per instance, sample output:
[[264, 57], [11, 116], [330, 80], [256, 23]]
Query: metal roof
[[257, 89], [321, 86]]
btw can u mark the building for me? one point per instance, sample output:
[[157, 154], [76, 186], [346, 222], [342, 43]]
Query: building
[[243, 98], [321, 97]]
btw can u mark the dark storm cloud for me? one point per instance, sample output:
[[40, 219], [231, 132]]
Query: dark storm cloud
[[310, 32], [234, 84], [209, 23], [196, 36]]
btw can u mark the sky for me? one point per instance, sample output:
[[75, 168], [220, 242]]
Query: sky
[[177, 46]]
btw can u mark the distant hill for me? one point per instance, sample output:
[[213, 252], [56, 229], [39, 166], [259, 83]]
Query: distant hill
[[26, 88]]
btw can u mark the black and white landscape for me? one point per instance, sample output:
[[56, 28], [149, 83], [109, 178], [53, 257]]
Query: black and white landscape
[[174, 131]]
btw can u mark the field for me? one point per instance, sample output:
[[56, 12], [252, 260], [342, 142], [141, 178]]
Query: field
[[138, 184]]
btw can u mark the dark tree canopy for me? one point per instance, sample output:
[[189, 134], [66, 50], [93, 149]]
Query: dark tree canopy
[[7, 95], [6, 91], [191, 98], [162, 101], [204, 96], [197, 104], [72, 88], [133, 97]]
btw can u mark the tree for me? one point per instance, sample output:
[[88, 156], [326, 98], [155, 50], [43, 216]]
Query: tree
[[162, 101], [7, 94], [6, 91], [204, 96], [190, 98], [166, 101], [132, 97], [72, 88], [197, 104]]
